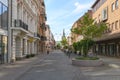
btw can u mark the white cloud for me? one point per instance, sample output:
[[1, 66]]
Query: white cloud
[[81, 7]]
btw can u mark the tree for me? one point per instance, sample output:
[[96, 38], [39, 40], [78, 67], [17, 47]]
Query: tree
[[64, 42], [89, 30], [58, 46], [75, 46]]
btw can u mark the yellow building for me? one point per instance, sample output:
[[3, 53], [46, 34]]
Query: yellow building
[[108, 11]]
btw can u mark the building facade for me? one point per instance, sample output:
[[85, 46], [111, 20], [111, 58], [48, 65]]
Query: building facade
[[27, 29], [69, 40], [77, 37], [50, 42], [108, 11], [42, 27]]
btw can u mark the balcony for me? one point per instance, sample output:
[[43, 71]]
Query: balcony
[[21, 24], [44, 16], [43, 4], [37, 35], [43, 26], [43, 38]]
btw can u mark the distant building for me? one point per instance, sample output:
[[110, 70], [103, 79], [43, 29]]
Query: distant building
[[50, 41], [63, 36], [77, 37], [69, 40]]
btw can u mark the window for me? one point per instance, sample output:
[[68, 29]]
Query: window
[[105, 13], [116, 25], [0, 13], [119, 23], [4, 17], [113, 6], [112, 26], [116, 4], [99, 18], [109, 28]]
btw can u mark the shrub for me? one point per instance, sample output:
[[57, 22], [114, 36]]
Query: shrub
[[87, 58], [28, 56], [32, 55]]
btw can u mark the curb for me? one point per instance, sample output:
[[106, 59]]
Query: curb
[[114, 66]]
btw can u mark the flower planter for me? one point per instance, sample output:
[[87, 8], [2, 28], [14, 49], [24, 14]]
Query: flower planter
[[87, 63]]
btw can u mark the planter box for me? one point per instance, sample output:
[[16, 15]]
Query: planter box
[[87, 63]]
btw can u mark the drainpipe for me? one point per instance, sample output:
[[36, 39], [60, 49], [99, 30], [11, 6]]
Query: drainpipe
[[9, 29]]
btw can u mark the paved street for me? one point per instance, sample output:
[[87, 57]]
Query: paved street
[[57, 66]]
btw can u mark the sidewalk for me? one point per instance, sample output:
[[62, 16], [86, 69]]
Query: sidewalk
[[17, 69], [111, 61], [109, 71]]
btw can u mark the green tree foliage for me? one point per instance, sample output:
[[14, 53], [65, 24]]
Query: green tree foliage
[[86, 45], [64, 42], [89, 30], [58, 46], [75, 46]]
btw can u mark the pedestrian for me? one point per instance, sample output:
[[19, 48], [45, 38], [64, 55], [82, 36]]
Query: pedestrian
[[48, 52], [69, 53]]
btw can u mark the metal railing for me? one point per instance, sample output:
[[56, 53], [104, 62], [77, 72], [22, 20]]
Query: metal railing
[[21, 24]]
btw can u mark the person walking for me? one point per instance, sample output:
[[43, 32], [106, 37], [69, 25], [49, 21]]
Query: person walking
[[69, 53], [48, 51]]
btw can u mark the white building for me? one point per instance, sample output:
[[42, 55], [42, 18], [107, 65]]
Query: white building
[[24, 28]]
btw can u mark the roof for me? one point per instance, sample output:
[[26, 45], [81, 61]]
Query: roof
[[95, 3]]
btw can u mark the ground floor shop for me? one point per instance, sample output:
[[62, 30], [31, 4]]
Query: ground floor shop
[[109, 47], [3, 49], [23, 43]]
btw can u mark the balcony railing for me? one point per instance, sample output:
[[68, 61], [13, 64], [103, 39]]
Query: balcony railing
[[43, 4], [37, 35], [43, 26], [43, 38], [21, 24]]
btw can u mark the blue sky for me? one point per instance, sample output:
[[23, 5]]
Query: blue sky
[[61, 14]]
